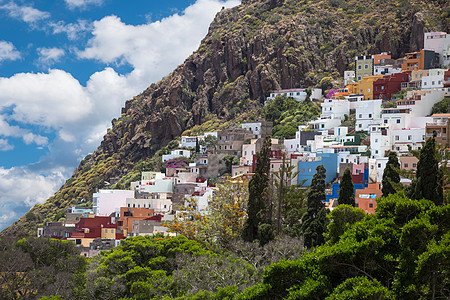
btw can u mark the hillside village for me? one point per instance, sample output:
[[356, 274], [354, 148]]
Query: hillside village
[[385, 105]]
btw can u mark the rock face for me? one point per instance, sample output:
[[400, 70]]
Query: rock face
[[250, 50]]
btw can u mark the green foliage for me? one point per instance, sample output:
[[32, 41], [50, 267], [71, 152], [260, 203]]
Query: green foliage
[[401, 252], [287, 114], [342, 218], [314, 221], [257, 200], [230, 160], [32, 268], [442, 107], [360, 288], [429, 178], [346, 192], [391, 178]]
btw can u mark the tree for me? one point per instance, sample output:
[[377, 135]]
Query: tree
[[230, 160], [210, 142], [289, 198], [223, 221], [429, 179], [346, 191], [257, 199], [314, 222], [391, 178]]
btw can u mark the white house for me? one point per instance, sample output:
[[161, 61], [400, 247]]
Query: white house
[[434, 80], [162, 206], [380, 140], [297, 94], [176, 153], [385, 70], [438, 42], [367, 112], [333, 112], [189, 141], [349, 77], [420, 103], [105, 202]]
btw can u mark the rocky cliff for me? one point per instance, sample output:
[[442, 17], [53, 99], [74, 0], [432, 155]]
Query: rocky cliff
[[249, 50]]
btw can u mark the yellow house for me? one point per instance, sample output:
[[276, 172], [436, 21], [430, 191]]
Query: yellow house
[[365, 86], [109, 233]]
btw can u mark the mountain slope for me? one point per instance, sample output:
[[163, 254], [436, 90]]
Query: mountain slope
[[249, 50]]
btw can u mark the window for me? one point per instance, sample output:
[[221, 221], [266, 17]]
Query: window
[[106, 230], [366, 66], [409, 137], [398, 121], [356, 205], [368, 90], [309, 170], [379, 165], [371, 205], [303, 170], [376, 151], [359, 68], [406, 165], [385, 121], [376, 140], [370, 115], [360, 125], [397, 137], [414, 165]]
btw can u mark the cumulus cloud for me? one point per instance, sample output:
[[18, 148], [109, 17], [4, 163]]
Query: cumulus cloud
[[80, 115], [72, 30], [28, 137], [72, 4], [8, 51], [27, 14], [152, 49], [30, 187], [5, 145], [51, 99], [48, 56]]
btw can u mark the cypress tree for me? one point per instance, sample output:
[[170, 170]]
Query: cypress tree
[[391, 178], [314, 221], [346, 191], [429, 179], [257, 188]]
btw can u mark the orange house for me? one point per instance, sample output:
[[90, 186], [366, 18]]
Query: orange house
[[366, 198], [130, 214]]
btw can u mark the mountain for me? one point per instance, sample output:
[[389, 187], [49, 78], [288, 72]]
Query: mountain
[[249, 50]]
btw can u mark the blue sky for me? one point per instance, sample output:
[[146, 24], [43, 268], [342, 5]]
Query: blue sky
[[66, 69]]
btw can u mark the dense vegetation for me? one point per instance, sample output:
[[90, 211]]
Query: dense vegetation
[[287, 114], [401, 252], [250, 50]]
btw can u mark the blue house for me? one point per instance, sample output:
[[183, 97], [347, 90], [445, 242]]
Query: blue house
[[307, 169], [356, 186]]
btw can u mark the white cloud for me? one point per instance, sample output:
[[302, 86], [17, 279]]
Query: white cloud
[[15, 131], [80, 115], [152, 49], [21, 189], [27, 14], [5, 145], [8, 51], [72, 30], [72, 4], [51, 99], [48, 56]]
